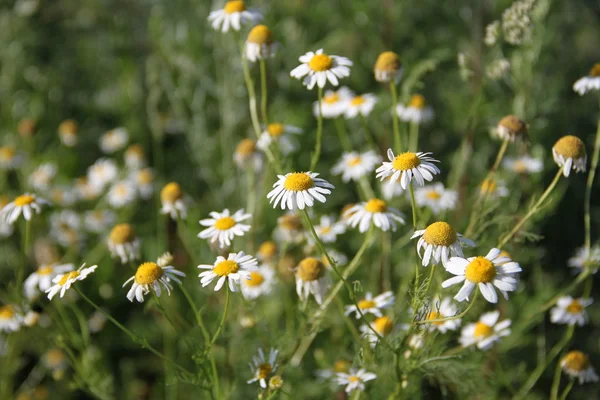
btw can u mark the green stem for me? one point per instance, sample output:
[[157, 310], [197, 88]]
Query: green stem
[[556, 381], [567, 390], [395, 123], [197, 314], [429, 279], [340, 128], [413, 136], [567, 290], [317, 152], [368, 135], [164, 312], [588, 191], [414, 206], [462, 314], [222, 323], [263, 91]]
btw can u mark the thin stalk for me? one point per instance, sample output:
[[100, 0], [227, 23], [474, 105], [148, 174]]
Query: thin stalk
[[222, 323], [567, 390], [317, 153], [567, 290], [413, 136], [462, 314], [197, 314], [164, 312], [340, 128], [414, 206], [556, 382], [395, 123], [588, 191], [366, 188], [263, 91], [368, 135]]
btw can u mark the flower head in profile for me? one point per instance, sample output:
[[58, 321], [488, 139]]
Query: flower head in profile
[[10, 158], [384, 326], [27, 205], [63, 282], [267, 252], [439, 310], [492, 188], [11, 319], [416, 111], [289, 228], [577, 365], [224, 226], [334, 103], [153, 276], [372, 305], [317, 68], [590, 82], [440, 242], [570, 311], [135, 157], [281, 134], [299, 190], [98, 221], [41, 279], [584, 259], [236, 267], [234, 15], [511, 128], [355, 379], [261, 282], [312, 278], [121, 194], [260, 44], [123, 243], [67, 132], [143, 180], [328, 229], [487, 273], [42, 177], [355, 165], [388, 67], [569, 153], [375, 210], [523, 165], [103, 172], [172, 199], [247, 155], [360, 105], [436, 197], [262, 367], [114, 140], [408, 166], [485, 332]]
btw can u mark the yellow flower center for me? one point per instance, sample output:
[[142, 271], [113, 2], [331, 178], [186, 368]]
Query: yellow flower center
[[576, 361], [54, 357], [354, 161], [417, 101], [320, 63], [234, 7], [595, 71], [145, 176], [267, 249], [519, 166], [290, 222], [44, 270], [226, 267], [383, 325], [388, 61], [575, 307], [341, 366], [376, 206], [264, 370], [256, 279], [122, 233], [171, 193], [224, 223], [513, 124], [332, 98], [406, 161], [357, 101], [6, 312], [366, 304], [275, 129], [488, 186], [68, 276], [310, 269], [148, 273], [68, 127], [482, 330], [435, 315], [135, 150], [298, 181], [480, 270], [433, 195], [7, 153], [24, 200], [246, 147], [570, 147], [353, 378], [325, 229], [440, 234], [260, 34]]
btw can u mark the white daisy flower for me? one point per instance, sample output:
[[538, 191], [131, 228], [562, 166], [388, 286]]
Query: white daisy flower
[[578, 365], [98, 221], [360, 105], [416, 111], [173, 202], [135, 157], [384, 327], [484, 272], [569, 152], [260, 44], [375, 210], [312, 277], [121, 194], [299, 190], [492, 188], [262, 367], [150, 276], [62, 283], [408, 166], [338, 366], [523, 165], [247, 156], [114, 140], [388, 67], [354, 379], [436, 197], [589, 82], [143, 179], [280, 134], [26, 204], [260, 283], [317, 68], [103, 172], [10, 158], [234, 15], [372, 305], [67, 132], [570, 311], [224, 227], [389, 189], [582, 260], [334, 103], [289, 228], [84, 190], [440, 242], [10, 319], [63, 195], [440, 310], [510, 128], [236, 267], [42, 177], [65, 228], [41, 279], [485, 332], [328, 229], [355, 165], [123, 243]]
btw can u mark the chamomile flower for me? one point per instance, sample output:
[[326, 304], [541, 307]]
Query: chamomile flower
[[234, 15], [492, 188], [236, 267], [150, 276], [511, 128], [98, 221], [143, 180], [63, 282], [416, 111], [484, 272], [577, 365], [355, 165], [84, 190], [63, 195], [65, 228], [384, 327], [355, 379], [436, 197], [317, 68], [42, 177], [523, 165], [589, 82], [280, 134], [388, 67], [360, 105], [103, 172], [172, 199], [10, 158], [440, 310], [334, 103], [299, 190], [485, 332], [289, 228], [570, 311], [374, 210], [267, 251], [582, 259], [26, 204], [440, 242], [56, 361], [569, 153], [41, 279], [372, 305], [121, 194], [328, 229], [260, 44], [312, 278], [114, 140], [6, 229], [262, 367], [123, 243], [135, 157], [67, 132], [10, 319], [247, 156], [224, 227], [260, 283], [408, 166], [338, 366]]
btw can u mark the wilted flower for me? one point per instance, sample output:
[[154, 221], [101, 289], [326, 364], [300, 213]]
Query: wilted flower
[[260, 44], [569, 152], [388, 67]]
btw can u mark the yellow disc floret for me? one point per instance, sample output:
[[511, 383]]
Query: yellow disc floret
[[357, 101], [514, 125], [595, 71], [298, 181], [575, 307], [488, 186], [406, 161], [68, 127], [246, 147], [45, 270], [417, 101], [482, 330], [7, 312], [68, 276], [226, 267], [440, 234], [290, 222], [383, 325], [576, 361], [7, 153], [331, 98], [24, 200], [267, 249], [275, 129], [225, 223], [435, 315], [366, 304], [264, 370], [234, 7], [148, 273], [260, 34], [171, 193], [354, 161], [341, 366], [122, 233], [570, 147], [433, 195], [256, 279], [376, 206], [388, 61], [310, 269], [320, 63], [480, 270]]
